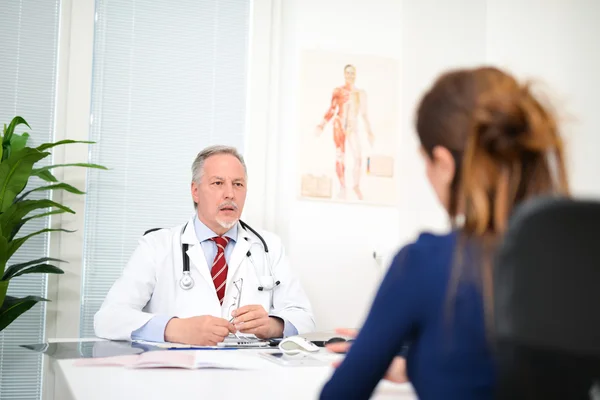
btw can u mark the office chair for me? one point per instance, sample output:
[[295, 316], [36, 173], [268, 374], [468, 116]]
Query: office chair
[[151, 230], [547, 301]]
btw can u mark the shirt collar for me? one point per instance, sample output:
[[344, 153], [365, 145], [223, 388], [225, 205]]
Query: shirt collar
[[204, 233]]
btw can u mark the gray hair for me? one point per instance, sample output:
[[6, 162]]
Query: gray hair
[[198, 164]]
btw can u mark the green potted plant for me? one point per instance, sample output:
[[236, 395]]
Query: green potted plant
[[17, 166]]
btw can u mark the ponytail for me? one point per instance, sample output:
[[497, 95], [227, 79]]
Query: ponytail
[[513, 152]]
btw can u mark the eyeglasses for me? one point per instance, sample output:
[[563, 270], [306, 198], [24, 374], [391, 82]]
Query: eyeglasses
[[237, 298]]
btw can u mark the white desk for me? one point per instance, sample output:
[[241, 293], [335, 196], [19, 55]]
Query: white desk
[[271, 381]]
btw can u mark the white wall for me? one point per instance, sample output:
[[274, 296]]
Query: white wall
[[331, 244], [555, 42], [72, 122], [436, 36]]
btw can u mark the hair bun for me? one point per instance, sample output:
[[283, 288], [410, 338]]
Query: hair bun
[[510, 124], [502, 126]]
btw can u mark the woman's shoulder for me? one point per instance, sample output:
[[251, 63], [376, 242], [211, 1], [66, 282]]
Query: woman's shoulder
[[430, 245], [429, 251]]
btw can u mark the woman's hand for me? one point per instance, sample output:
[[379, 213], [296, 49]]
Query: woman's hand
[[342, 347], [396, 371]]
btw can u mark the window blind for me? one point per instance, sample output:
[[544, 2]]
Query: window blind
[[29, 43], [169, 79]]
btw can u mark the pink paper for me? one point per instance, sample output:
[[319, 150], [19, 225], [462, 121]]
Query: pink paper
[[152, 359]]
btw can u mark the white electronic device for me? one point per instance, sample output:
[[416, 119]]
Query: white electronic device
[[296, 344], [298, 360], [244, 344], [245, 341]]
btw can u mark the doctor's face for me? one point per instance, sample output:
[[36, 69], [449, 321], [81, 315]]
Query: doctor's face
[[221, 192]]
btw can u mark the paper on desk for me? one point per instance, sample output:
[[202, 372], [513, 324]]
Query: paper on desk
[[172, 345], [175, 359]]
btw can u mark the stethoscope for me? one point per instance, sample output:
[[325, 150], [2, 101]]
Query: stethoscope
[[187, 282]]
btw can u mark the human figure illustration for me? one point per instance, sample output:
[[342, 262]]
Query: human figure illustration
[[348, 104]]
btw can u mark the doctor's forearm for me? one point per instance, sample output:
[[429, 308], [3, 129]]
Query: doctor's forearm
[[153, 330]]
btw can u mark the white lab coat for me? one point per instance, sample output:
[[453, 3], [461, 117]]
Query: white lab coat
[[149, 284]]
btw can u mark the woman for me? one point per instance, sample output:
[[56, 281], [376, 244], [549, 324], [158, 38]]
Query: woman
[[488, 145]]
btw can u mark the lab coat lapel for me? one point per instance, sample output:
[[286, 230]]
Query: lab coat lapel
[[195, 253], [238, 255], [198, 261]]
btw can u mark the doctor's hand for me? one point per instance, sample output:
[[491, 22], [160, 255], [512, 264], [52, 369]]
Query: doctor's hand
[[205, 330], [254, 319]]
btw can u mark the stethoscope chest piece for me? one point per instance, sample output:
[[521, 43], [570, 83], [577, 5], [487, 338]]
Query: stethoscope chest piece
[[186, 282]]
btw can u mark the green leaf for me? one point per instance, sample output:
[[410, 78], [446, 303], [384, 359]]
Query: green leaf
[[17, 267], [37, 261], [67, 141], [3, 290], [53, 212], [18, 227], [45, 175], [15, 172], [13, 307], [86, 165], [8, 137], [11, 128], [12, 272], [18, 142], [17, 211], [14, 245], [3, 256], [62, 186]]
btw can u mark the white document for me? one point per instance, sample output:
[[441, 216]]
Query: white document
[[171, 345], [188, 359]]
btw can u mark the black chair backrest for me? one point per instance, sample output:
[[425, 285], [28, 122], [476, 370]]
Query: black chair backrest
[[547, 300], [151, 230]]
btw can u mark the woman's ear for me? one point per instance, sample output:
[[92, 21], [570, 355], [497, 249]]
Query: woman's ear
[[444, 164]]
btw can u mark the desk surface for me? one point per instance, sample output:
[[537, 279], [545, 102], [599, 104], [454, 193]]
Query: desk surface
[[269, 381]]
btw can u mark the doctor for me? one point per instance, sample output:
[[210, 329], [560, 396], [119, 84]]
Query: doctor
[[238, 280]]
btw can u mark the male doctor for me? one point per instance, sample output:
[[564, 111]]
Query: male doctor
[[236, 285]]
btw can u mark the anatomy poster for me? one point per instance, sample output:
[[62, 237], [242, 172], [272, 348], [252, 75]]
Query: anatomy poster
[[348, 118]]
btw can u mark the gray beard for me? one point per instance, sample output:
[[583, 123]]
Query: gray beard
[[227, 225]]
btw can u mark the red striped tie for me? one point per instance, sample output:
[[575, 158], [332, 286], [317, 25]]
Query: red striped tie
[[219, 267]]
